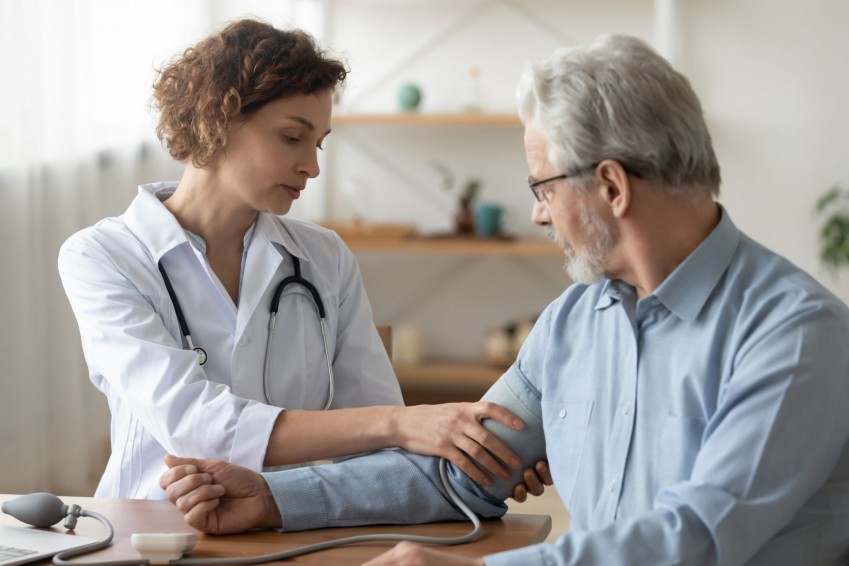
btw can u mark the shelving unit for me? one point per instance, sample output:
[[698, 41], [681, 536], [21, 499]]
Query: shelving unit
[[435, 380], [446, 381]]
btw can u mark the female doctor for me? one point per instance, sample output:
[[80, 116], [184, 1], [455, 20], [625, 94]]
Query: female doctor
[[174, 298]]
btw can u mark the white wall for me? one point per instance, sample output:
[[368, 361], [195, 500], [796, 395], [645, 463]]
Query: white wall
[[773, 79]]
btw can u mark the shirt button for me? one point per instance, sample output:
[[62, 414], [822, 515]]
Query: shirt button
[[562, 413], [655, 302], [626, 408], [611, 487]]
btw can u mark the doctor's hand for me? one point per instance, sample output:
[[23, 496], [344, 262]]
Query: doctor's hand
[[218, 497], [409, 554], [453, 431]]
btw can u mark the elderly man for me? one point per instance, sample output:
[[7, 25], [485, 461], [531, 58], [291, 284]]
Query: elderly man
[[692, 384]]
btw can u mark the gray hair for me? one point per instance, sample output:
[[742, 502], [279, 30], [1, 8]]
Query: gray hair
[[618, 99]]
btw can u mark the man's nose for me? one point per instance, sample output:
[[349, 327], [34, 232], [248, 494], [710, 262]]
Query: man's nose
[[539, 214]]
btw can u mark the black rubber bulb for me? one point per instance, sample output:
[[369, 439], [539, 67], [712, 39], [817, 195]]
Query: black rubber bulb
[[36, 509]]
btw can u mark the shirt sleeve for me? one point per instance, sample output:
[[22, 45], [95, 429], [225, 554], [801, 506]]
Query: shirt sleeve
[[387, 487], [761, 458], [365, 374], [132, 356]]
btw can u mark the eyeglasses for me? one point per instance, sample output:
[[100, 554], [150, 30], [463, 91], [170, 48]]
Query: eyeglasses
[[541, 195]]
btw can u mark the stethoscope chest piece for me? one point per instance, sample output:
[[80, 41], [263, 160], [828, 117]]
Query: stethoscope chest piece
[[201, 355]]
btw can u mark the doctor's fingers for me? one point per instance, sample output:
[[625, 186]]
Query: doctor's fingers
[[486, 445], [460, 458], [488, 410]]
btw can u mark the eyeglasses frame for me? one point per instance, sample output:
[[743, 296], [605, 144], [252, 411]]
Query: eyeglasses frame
[[539, 195]]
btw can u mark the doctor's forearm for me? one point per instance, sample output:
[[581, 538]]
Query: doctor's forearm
[[304, 436]]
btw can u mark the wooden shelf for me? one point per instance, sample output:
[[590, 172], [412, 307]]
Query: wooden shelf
[[456, 246], [446, 381], [415, 119], [449, 374]]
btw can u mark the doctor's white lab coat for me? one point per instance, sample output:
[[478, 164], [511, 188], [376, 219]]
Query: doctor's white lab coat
[[162, 401]]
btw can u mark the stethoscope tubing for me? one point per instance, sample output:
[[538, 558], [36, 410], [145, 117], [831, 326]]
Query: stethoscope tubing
[[273, 308], [181, 320]]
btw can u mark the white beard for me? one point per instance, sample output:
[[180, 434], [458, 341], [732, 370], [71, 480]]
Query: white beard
[[586, 267]]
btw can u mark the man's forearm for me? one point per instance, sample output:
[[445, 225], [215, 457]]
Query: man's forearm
[[387, 487]]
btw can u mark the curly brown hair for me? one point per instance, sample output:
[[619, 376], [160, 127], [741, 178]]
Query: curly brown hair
[[230, 73]]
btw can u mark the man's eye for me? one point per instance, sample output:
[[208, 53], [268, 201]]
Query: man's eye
[[291, 139]]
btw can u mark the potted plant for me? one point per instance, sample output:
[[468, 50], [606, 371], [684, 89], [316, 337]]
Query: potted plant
[[834, 234], [464, 219]]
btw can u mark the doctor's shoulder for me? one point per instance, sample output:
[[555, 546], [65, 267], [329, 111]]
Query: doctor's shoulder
[[108, 245]]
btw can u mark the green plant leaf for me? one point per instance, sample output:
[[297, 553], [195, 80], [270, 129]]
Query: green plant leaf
[[827, 198]]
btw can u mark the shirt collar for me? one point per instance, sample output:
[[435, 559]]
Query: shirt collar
[[278, 231], [152, 223], [612, 291], [686, 290]]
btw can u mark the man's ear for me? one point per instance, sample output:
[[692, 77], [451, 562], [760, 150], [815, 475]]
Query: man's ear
[[614, 187]]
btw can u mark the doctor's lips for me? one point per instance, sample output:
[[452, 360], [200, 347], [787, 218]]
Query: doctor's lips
[[294, 190]]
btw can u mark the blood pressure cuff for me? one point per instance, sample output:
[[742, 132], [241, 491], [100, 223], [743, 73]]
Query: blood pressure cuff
[[514, 393]]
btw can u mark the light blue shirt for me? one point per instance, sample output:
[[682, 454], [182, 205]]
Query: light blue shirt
[[706, 423]]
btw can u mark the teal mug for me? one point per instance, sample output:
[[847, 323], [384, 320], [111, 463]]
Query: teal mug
[[488, 219]]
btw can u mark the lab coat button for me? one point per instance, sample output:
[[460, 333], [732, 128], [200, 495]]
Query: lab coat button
[[562, 413], [243, 341]]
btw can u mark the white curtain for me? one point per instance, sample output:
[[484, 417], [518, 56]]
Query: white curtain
[[76, 138]]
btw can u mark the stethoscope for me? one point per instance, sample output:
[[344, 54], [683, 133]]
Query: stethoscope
[[275, 303]]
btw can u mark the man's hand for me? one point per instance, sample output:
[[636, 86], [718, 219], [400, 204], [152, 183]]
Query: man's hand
[[536, 479], [409, 554], [217, 497]]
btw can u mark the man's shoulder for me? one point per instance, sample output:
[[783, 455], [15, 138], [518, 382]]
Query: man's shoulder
[[763, 285]]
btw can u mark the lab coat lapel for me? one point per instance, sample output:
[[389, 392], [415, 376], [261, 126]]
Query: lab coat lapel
[[263, 268]]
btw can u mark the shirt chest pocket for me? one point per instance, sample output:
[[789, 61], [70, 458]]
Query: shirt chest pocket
[[566, 428], [298, 376]]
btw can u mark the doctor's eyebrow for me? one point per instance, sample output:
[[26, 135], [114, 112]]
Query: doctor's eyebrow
[[306, 123]]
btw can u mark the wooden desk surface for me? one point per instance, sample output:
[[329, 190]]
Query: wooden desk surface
[[134, 516]]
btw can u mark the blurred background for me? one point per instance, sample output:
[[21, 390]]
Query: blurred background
[[427, 122]]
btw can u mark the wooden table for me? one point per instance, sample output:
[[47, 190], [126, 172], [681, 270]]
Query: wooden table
[[139, 516]]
